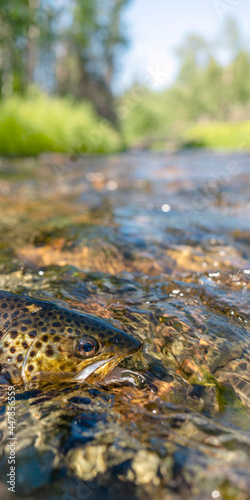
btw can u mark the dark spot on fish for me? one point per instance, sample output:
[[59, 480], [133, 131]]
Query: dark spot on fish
[[49, 351], [23, 328], [45, 338], [27, 322], [32, 334], [52, 330], [14, 315], [56, 324], [25, 344], [32, 354], [56, 338], [5, 315], [44, 329], [86, 327], [38, 344], [14, 334], [6, 344], [19, 357], [30, 368], [4, 305], [70, 330], [12, 350], [26, 310], [1, 351], [40, 323]]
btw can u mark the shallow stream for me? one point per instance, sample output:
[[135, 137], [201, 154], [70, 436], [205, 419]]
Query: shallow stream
[[159, 244]]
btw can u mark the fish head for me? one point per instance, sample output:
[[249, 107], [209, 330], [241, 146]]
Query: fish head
[[77, 347]]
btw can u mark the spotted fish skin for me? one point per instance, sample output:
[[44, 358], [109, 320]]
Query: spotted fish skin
[[39, 341]]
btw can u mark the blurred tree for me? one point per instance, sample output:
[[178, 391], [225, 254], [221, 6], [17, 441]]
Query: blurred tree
[[72, 46], [205, 87], [14, 19], [24, 26], [230, 37], [241, 77], [96, 37], [193, 54]]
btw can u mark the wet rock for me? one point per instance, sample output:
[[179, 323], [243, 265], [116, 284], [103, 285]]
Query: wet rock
[[161, 260], [33, 469], [146, 468], [87, 462]]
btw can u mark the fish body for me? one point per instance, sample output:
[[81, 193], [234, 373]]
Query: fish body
[[40, 340]]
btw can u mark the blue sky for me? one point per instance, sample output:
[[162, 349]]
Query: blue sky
[[156, 27]]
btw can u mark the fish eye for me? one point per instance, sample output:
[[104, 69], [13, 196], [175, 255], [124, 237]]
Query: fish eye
[[87, 347]]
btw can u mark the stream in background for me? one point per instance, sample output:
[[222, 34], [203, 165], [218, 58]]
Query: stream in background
[[159, 244]]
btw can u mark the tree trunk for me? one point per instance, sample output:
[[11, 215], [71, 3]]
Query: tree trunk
[[96, 91], [6, 68], [32, 45]]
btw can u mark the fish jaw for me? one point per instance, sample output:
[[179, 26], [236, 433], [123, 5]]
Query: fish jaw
[[88, 370], [98, 370], [104, 369]]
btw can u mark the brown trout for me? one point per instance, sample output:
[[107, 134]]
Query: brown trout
[[43, 341]]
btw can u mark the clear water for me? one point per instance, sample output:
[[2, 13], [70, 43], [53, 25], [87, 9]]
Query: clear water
[[160, 245]]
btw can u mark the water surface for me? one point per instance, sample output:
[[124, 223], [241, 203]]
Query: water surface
[[159, 244]]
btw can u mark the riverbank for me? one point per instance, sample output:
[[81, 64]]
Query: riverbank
[[38, 123]]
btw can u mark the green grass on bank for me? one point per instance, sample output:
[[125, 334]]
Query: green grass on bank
[[37, 123], [216, 135], [162, 120]]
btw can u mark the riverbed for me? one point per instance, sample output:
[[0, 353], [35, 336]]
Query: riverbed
[[159, 244]]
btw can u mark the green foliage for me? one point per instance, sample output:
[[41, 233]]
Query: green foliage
[[220, 135], [97, 32], [205, 92], [70, 47], [37, 123], [141, 115], [95, 40], [208, 104]]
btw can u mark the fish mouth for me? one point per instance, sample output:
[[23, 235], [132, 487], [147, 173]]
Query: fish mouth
[[98, 370], [88, 370]]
